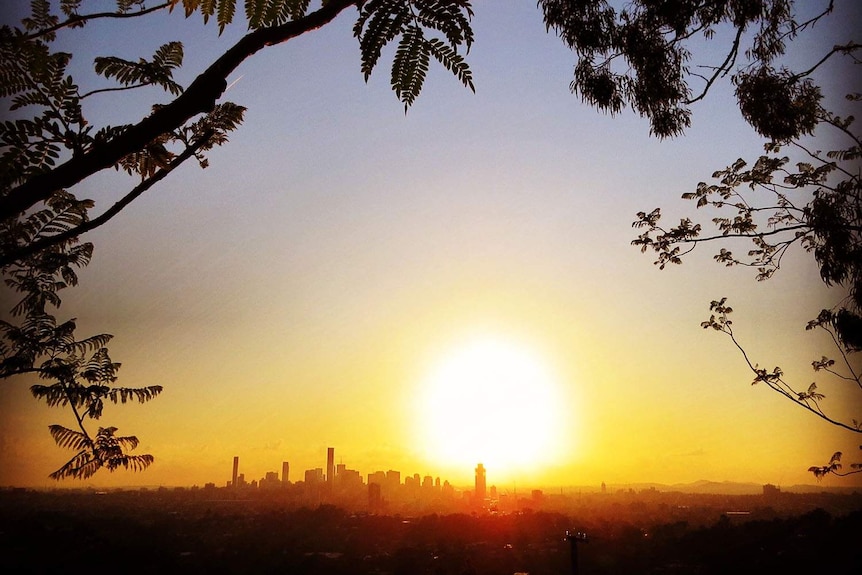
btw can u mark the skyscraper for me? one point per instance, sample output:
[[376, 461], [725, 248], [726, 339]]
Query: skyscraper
[[235, 470], [330, 465], [285, 472], [480, 483]]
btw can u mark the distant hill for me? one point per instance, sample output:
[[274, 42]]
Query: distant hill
[[705, 487]]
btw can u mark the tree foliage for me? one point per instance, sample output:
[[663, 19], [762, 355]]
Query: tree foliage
[[775, 204], [641, 55]]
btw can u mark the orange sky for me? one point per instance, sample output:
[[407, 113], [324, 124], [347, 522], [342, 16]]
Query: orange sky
[[299, 292]]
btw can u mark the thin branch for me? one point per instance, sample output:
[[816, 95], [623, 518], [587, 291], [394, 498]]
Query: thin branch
[[19, 372], [78, 416], [723, 69], [811, 21], [115, 89], [45, 242], [752, 235], [831, 121], [855, 376], [79, 19], [783, 392], [846, 49]]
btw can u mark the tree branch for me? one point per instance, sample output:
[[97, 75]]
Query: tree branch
[[22, 371], [724, 68], [116, 89], [751, 235], [78, 19], [42, 243], [727, 330], [200, 97], [846, 49]]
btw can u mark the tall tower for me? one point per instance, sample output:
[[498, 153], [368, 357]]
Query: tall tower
[[480, 483], [330, 465], [235, 470], [285, 472]]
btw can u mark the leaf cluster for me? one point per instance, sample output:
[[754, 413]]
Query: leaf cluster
[[381, 22], [773, 205], [640, 56], [258, 13], [80, 372], [32, 76], [105, 450], [157, 72], [834, 467]]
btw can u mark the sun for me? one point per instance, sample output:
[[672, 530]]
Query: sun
[[494, 401]]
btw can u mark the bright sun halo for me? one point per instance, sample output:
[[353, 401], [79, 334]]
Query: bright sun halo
[[491, 401]]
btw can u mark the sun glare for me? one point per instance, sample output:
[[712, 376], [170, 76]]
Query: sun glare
[[491, 401]]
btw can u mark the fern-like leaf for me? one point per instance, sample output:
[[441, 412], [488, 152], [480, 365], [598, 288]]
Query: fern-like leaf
[[141, 394], [452, 61], [157, 72], [410, 66], [379, 22], [225, 13], [83, 465], [68, 438]]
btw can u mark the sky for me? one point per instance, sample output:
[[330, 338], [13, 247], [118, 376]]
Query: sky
[[310, 287]]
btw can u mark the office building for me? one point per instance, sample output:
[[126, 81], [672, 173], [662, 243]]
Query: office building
[[480, 483]]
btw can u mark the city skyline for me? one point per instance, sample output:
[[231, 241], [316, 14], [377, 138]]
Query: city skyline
[[340, 470]]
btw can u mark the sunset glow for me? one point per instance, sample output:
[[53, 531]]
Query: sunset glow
[[494, 401]]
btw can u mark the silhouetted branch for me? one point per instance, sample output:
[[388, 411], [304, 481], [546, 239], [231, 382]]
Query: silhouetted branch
[[723, 69], [42, 243], [772, 380], [115, 89], [80, 19]]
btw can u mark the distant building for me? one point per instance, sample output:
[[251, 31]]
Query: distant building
[[330, 465], [480, 483], [270, 480], [448, 491], [393, 481], [235, 471], [604, 487], [348, 478], [378, 477], [375, 499], [285, 472], [314, 476]]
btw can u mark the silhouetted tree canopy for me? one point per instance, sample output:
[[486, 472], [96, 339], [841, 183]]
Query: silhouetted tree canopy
[[641, 56], [774, 203]]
